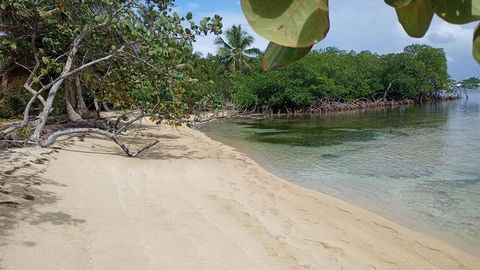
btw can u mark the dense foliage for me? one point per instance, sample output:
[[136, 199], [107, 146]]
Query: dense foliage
[[335, 75], [58, 55]]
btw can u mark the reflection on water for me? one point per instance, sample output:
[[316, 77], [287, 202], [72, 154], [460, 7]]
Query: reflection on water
[[417, 165]]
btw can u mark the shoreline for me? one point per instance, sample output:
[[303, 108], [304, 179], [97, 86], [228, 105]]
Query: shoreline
[[358, 105], [195, 203], [333, 108], [398, 218]]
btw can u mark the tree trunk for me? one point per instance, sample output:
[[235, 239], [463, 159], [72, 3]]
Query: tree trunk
[[97, 108], [81, 106], [66, 72], [71, 100], [47, 108], [75, 105], [71, 113], [105, 106]]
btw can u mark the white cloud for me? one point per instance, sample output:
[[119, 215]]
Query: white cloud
[[367, 25]]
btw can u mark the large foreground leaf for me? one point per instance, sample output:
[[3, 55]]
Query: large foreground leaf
[[457, 11], [278, 55], [292, 23], [398, 3], [476, 44], [416, 17]]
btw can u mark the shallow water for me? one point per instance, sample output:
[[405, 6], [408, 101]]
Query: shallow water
[[417, 165]]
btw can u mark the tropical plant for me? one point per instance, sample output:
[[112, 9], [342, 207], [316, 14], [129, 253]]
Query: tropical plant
[[235, 50], [294, 26], [138, 51]]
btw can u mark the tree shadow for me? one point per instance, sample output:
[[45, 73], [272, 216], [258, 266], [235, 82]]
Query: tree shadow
[[22, 188], [56, 218]]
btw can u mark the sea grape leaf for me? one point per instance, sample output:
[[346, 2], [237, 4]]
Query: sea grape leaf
[[398, 3], [291, 23], [457, 11], [476, 44], [278, 55], [416, 17]]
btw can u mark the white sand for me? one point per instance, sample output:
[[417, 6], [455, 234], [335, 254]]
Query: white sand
[[192, 203]]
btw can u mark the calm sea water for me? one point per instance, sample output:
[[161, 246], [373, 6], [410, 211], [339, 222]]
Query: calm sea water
[[418, 165]]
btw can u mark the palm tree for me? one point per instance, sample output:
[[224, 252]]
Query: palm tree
[[235, 52]]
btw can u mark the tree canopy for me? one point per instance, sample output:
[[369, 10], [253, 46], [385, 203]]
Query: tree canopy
[[133, 54]]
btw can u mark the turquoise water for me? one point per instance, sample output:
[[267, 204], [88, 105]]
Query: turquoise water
[[418, 165]]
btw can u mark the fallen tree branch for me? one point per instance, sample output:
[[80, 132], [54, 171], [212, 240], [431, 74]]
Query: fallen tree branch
[[113, 136]]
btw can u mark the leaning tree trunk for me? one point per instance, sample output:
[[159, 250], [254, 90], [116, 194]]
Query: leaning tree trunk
[[47, 108], [66, 72]]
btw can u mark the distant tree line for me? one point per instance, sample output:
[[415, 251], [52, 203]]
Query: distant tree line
[[419, 73]]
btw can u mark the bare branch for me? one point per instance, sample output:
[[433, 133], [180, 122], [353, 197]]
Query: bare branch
[[146, 147], [54, 136], [91, 63], [60, 56], [133, 120]]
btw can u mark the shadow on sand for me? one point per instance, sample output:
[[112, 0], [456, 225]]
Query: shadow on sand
[[22, 188]]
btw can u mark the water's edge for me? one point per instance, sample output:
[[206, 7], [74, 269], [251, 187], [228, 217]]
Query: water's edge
[[423, 229], [417, 170]]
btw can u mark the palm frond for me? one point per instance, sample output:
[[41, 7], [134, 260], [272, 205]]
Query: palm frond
[[220, 42], [234, 49], [253, 51]]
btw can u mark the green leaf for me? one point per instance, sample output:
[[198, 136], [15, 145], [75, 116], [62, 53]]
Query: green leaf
[[189, 16], [291, 23], [416, 17], [44, 60], [476, 44], [278, 55], [398, 3], [457, 11]]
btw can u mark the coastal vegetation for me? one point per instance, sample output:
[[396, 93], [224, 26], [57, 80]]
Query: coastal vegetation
[[58, 55], [419, 73], [77, 58], [110, 79]]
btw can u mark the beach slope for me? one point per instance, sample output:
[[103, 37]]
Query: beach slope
[[193, 203]]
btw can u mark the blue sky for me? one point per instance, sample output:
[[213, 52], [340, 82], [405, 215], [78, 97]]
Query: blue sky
[[356, 25]]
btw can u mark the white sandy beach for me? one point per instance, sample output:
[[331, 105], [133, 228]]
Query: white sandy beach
[[193, 203]]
